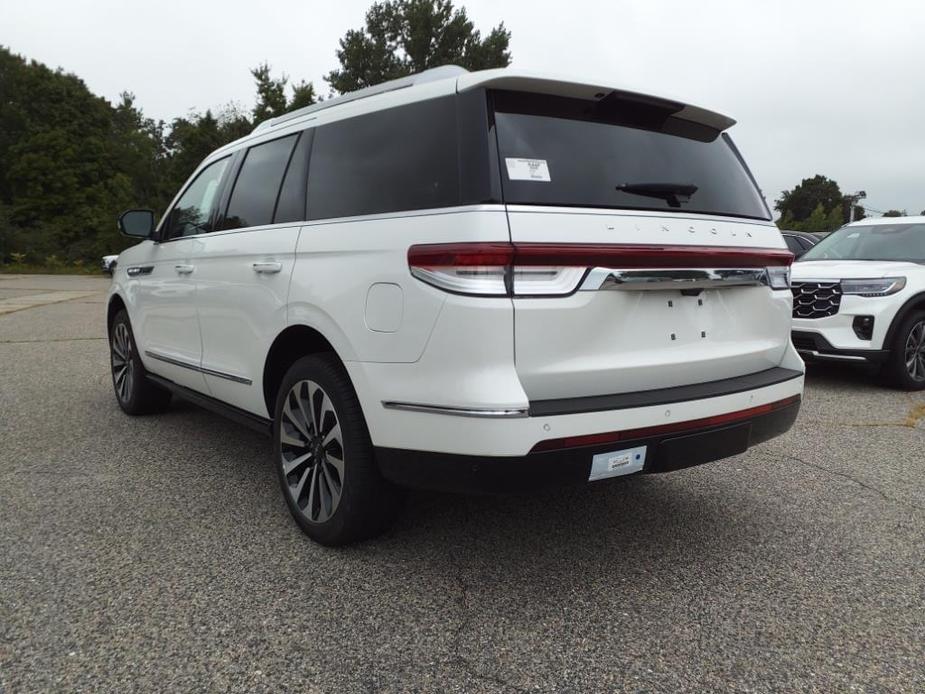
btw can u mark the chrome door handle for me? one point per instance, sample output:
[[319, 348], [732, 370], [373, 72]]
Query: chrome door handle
[[267, 268], [184, 269]]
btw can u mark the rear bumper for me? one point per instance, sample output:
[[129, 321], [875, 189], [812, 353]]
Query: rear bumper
[[665, 451], [813, 346]]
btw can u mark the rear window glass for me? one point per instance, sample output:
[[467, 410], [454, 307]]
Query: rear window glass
[[403, 158], [618, 154], [257, 186]]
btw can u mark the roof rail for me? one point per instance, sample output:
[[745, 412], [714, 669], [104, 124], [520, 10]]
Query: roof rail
[[431, 75]]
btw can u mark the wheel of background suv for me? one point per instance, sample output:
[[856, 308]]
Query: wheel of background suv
[[906, 367], [324, 455], [134, 392]]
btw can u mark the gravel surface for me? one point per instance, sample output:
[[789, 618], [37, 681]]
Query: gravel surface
[[157, 554]]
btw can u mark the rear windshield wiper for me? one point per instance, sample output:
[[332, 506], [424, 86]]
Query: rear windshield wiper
[[672, 193]]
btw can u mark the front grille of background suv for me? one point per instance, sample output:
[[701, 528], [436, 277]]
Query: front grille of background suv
[[815, 299]]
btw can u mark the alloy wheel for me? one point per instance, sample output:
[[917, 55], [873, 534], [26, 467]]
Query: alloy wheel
[[123, 368], [312, 451], [915, 351]]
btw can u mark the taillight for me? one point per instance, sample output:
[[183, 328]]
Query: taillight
[[547, 269], [464, 268]]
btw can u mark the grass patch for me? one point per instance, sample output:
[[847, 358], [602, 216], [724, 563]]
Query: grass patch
[[30, 269]]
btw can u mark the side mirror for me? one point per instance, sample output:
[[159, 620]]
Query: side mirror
[[137, 223]]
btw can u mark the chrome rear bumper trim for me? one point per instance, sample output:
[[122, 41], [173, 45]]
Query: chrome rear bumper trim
[[602, 278], [834, 357], [456, 411]]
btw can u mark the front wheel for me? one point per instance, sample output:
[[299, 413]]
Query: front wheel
[[134, 392], [324, 455], [906, 368]]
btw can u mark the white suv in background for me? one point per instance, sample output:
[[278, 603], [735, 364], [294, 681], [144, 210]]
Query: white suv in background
[[859, 297], [472, 281]]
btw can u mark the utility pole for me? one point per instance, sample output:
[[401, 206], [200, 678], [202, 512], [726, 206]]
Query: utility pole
[[852, 202]]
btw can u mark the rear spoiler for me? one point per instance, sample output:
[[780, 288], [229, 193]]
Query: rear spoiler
[[521, 81]]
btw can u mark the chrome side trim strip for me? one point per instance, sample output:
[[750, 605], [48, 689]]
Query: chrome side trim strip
[[835, 357], [457, 411], [200, 369], [602, 278]]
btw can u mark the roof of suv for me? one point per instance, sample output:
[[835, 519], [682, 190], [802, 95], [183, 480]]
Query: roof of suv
[[878, 221], [449, 79]]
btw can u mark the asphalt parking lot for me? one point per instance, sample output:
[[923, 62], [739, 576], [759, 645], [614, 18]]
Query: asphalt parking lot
[[157, 553]]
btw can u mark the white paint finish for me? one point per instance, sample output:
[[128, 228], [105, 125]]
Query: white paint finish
[[162, 308], [338, 260], [579, 88], [468, 363], [516, 436], [241, 310], [569, 225], [407, 341], [838, 329], [384, 307], [604, 342]]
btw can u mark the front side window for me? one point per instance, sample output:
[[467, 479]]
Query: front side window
[[193, 212], [900, 242], [618, 153], [257, 186], [402, 158]]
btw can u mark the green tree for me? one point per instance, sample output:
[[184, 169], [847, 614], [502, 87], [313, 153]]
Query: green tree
[[799, 204], [70, 161], [402, 37], [303, 94], [895, 213], [271, 94]]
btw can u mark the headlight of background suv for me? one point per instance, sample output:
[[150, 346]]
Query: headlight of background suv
[[883, 286]]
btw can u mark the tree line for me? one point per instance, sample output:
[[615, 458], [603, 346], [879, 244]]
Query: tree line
[[817, 204], [70, 161]]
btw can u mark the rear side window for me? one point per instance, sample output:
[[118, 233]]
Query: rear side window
[[291, 204], [618, 153], [253, 198], [403, 158]]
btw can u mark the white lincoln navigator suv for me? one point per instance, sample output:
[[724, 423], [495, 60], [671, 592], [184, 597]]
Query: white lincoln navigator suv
[[859, 297], [465, 281]]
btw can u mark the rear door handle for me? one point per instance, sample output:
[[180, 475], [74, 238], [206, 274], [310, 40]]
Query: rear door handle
[[267, 268], [184, 269]]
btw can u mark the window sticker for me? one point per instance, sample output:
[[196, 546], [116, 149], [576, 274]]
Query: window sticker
[[527, 169]]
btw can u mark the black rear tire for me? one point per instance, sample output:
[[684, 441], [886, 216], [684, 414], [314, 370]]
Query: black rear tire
[[906, 366], [135, 394], [324, 457]]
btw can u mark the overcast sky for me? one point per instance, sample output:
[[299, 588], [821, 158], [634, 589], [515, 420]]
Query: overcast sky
[[817, 86]]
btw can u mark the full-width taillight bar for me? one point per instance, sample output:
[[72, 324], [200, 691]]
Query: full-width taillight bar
[[554, 269]]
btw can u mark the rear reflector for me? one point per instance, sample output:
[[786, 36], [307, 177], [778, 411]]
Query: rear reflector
[[658, 430], [553, 269]]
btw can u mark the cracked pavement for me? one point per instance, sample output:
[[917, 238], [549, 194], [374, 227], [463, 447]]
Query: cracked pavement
[[157, 553]]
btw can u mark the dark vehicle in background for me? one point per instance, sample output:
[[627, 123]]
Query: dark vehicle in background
[[798, 242]]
